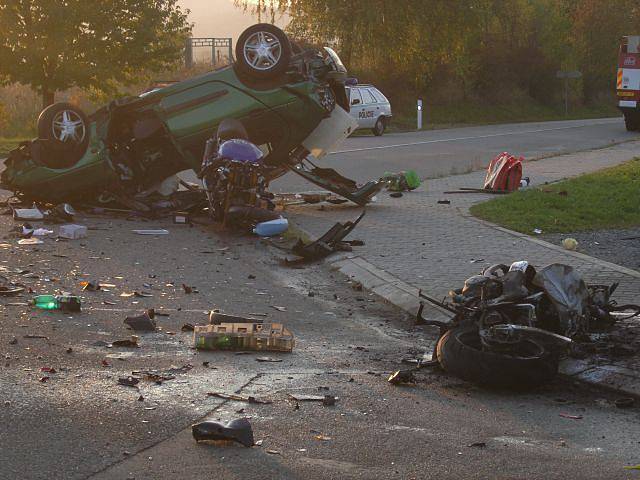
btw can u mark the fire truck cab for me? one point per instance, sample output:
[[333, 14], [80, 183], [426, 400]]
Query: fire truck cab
[[628, 81]]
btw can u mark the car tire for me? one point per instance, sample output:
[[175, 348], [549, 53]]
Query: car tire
[[64, 128], [263, 51], [459, 353], [379, 127], [631, 122]]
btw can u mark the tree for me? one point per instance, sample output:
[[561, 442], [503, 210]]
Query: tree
[[53, 45]]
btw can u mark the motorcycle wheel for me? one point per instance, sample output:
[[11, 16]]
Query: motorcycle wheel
[[460, 353]]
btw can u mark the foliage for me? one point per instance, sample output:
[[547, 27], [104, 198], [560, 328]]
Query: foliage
[[470, 50], [583, 203], [53, 45]]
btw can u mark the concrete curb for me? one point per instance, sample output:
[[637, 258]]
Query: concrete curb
[[404, 296]]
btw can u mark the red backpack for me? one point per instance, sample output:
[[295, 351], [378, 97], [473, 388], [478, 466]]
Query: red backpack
[[504, 173]]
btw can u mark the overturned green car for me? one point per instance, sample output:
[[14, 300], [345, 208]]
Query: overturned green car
[[291, 101]]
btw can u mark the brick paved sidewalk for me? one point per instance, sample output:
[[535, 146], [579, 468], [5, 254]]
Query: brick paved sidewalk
[[435, 247], [415, 243]]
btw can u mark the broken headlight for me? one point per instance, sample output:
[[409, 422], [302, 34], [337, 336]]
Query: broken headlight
[[326, 98]]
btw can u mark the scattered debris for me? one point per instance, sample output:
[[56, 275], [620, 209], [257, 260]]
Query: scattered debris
[[128, 381], [238, 430], [32, 335], [9, 290], [624, 402], [187, 327], [401, 181], [244, 336], [160, 231], [331, 241], [326, 400], [504, 173], [72, 231], [217, 318], [570, 244], [188, 290], [28, 213], [280, 309], [127, 343], [90, 286], [572, 417], [64, 303], [444, 202], [268, 359], [329, 400], [271, 228], [537, 231], [322, 438], [477, 444], [395, 194], [30, 241], [143, 322], [239, 398], [402, 377]]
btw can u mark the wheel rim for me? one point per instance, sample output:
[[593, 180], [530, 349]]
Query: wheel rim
[[262, 51], [379, 125], [68, 127]]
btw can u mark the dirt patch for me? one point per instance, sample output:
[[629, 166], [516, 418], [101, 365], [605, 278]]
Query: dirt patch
[[619, 246]]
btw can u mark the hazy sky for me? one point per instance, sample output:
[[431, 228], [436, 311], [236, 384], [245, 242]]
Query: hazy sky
[[218, 18]]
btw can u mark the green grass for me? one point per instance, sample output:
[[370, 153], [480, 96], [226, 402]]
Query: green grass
[[605, 199], [8, 144]]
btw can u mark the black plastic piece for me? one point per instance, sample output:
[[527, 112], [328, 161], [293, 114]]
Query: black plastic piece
[[238, 430]]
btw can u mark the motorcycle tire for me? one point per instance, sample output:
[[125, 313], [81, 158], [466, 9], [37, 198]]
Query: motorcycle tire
[[459, 353], [263, 51]]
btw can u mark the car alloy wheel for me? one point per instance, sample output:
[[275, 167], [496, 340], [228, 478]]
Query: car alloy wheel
[[68, 127]]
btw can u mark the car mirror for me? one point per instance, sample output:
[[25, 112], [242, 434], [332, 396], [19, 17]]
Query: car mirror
[[355, 101]]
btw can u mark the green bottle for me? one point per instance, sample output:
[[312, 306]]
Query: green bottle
[[65, 303]]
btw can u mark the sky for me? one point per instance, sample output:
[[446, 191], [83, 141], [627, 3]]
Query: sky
[[219, 18]]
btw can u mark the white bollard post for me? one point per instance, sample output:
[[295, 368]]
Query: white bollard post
[[419, 114]]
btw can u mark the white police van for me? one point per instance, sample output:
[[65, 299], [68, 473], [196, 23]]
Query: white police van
[[369, 107]]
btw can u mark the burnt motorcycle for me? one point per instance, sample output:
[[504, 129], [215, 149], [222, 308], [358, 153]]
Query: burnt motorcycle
[[512, 324], [234, 177]]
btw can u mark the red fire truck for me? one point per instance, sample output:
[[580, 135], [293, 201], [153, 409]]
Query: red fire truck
[[628, 84]]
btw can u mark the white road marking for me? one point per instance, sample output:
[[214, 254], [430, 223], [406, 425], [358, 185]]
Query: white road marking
[[475, 137]]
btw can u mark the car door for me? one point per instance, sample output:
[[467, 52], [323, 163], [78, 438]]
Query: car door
[[357, 108]]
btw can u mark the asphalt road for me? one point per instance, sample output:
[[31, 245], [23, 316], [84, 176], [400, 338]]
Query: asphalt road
[[436, 153], [79, 423]]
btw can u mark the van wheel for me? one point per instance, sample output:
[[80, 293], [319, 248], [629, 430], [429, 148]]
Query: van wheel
[[65, 129], [379, 127], [263, 51], [631, 122]]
